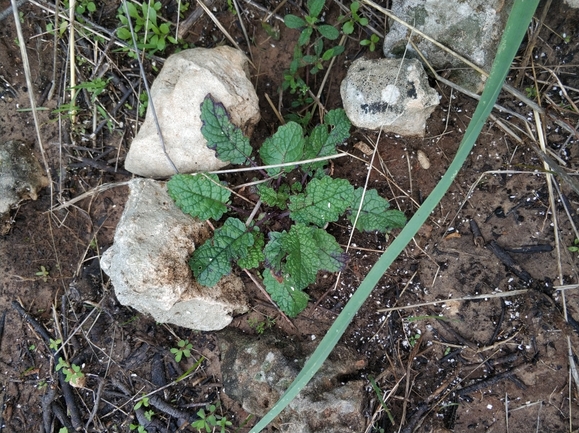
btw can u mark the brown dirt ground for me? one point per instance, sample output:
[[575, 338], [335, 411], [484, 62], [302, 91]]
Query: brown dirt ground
[[494, 364]]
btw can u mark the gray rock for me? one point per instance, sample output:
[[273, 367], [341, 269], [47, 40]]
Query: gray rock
[[472, 28], [148, 264], [186, 78], [257, 371], [387, 94], [21, 177]]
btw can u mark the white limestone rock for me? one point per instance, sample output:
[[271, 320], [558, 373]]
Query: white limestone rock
[[148, 264], [186, 78], [385, 94], [471, 28]]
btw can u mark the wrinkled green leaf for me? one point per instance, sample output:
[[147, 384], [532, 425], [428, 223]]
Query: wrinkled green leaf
[[212, 260], [226, 139], [294, 22], [286, 145], [199, 195], [330, 255], [273, 198], [324, 200], [375, 214], [301, 261], [274, 253], [329, 32], [290, 300], [255, 253]]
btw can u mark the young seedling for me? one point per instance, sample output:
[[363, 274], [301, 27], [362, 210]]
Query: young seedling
[[290, 259], [72, 373], [183, 349], [143, 402], [574, 247], [311, 29], [209, 420], [43, 273]]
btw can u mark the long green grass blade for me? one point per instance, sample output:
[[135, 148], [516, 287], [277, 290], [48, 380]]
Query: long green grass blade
[[519, 19]]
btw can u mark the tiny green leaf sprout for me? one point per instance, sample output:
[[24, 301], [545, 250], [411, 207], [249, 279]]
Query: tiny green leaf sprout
[[288, 260], [183, 349]]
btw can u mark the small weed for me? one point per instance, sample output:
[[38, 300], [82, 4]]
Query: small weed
[[42, 385], [355, 18], [531, 92], [143, 402], [261, 326], [574, 247], [209, 420], [184, 349], [95, 87], [370, 43], [138, 427], [32, 347], [149, 414], [63, 430], [72, 373], [43, 273], [143, 103], [150, 35], [312, 38]]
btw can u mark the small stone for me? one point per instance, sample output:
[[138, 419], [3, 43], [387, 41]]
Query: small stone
[[21, 177], [177, 93], [390, 94], [148, 264], [257, 371]]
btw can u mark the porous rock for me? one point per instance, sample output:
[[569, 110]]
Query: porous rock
[[148, 264], [21, 177], [390, 94], [471, 28], [177, 93], [257, 371]]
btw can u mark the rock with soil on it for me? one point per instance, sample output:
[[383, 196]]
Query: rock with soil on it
[[257, 371], [390, 94], [177, 93], [148, 264], [21, 177], [471, 28]]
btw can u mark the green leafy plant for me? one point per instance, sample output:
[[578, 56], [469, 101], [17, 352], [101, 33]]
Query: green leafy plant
[[310, 49], [210, 420], [291, 258], [151, 35], [574, 247], [183, 349]]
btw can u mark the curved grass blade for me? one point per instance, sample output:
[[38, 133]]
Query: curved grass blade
[[519, 19]]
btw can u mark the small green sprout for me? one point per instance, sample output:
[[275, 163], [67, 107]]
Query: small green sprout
[[184, 349], [43, 273], [370, 43], [143, 402], [55, 344], [574, 247], [209, 420], [72, 373], [138, 427]]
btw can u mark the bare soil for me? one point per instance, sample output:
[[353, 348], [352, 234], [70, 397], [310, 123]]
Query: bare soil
[[498, 364]]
